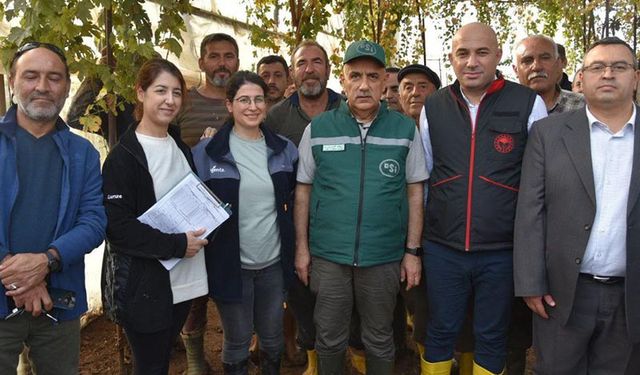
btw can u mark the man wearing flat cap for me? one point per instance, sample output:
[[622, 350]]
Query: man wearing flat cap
[[417, 82], [358, 213]]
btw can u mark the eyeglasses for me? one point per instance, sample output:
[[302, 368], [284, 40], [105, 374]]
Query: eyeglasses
[[616, 67], [246, 100], [33, 45]]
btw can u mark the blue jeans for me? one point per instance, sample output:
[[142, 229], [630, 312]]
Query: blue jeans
[[453, 277], [261, 310]]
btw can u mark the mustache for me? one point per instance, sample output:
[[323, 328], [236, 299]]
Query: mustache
[[222, 69], [537, 75], [311, 76], [40, 94]]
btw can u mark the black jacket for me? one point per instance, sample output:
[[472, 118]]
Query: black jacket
[[476, 173], [217, 168], [136, 289]]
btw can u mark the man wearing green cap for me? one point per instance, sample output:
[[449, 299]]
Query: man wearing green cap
[[358, 213]]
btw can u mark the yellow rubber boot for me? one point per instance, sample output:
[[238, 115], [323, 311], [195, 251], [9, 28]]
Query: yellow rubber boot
[[358, 361], [479, 370], [465, 364], [435, 368], [312, 363]]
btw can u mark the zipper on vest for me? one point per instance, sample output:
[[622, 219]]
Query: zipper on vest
[[495, 86], [472, 162], [467, 230], [472, 156], [363, 142]]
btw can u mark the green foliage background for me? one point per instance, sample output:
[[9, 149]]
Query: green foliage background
[[273, 23]]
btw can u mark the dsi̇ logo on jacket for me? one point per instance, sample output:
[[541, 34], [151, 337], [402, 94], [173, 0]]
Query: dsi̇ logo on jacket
[[389, 168]]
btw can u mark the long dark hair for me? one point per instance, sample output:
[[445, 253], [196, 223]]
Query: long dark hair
[[149, 72]]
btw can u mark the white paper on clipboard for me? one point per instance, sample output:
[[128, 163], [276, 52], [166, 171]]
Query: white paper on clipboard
[[187, 206]]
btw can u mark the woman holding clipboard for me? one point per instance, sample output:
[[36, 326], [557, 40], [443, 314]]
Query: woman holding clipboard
[[149, 301], [250, 259]]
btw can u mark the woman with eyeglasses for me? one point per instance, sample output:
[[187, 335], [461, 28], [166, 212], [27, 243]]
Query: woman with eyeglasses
[[149, 301], [250, 258]]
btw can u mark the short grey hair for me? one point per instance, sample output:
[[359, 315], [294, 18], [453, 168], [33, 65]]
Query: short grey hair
[[539, 37]]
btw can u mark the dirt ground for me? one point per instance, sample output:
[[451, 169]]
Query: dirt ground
[[99, 352]]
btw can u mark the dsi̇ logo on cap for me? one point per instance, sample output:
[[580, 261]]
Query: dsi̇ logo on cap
[[366, 48], [389, 168]]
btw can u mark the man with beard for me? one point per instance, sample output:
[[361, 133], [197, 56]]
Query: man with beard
[[51, 215], [310, 71], [417, 82], [205, 104], [539, 67], [205, 110], [390, 93], [274, 71]]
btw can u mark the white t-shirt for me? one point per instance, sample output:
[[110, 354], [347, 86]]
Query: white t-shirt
[[167, 166]]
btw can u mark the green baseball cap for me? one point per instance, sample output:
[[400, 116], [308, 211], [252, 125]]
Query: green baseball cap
[[365, 48]]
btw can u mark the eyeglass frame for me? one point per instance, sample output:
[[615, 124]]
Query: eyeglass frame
[[251, 100], [26, 47], [627, 66]]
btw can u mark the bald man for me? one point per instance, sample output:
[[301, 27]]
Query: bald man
[[474, 132]]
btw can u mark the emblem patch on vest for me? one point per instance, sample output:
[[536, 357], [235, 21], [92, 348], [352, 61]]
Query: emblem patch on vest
[[503, 143], [389, 168]]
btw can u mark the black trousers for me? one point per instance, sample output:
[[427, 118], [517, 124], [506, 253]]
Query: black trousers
[[152, 351], [594, 341]]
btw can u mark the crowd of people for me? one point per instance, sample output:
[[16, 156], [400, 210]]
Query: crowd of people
[[493, 216]]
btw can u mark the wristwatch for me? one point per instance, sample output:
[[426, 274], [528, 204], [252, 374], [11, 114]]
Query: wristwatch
[[417, 251], [52, 262]]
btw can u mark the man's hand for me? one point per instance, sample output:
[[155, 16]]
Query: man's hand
[[537, 306], [303, 260], [23, 271], [35, 299], [410, 269], [194, 244]]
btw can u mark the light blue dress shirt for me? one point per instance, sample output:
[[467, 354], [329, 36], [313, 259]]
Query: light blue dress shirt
[[612, 161]]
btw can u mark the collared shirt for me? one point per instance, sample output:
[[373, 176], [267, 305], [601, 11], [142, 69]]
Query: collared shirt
[[415, 169], [567, 101], [539, 111], [612, 160]]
